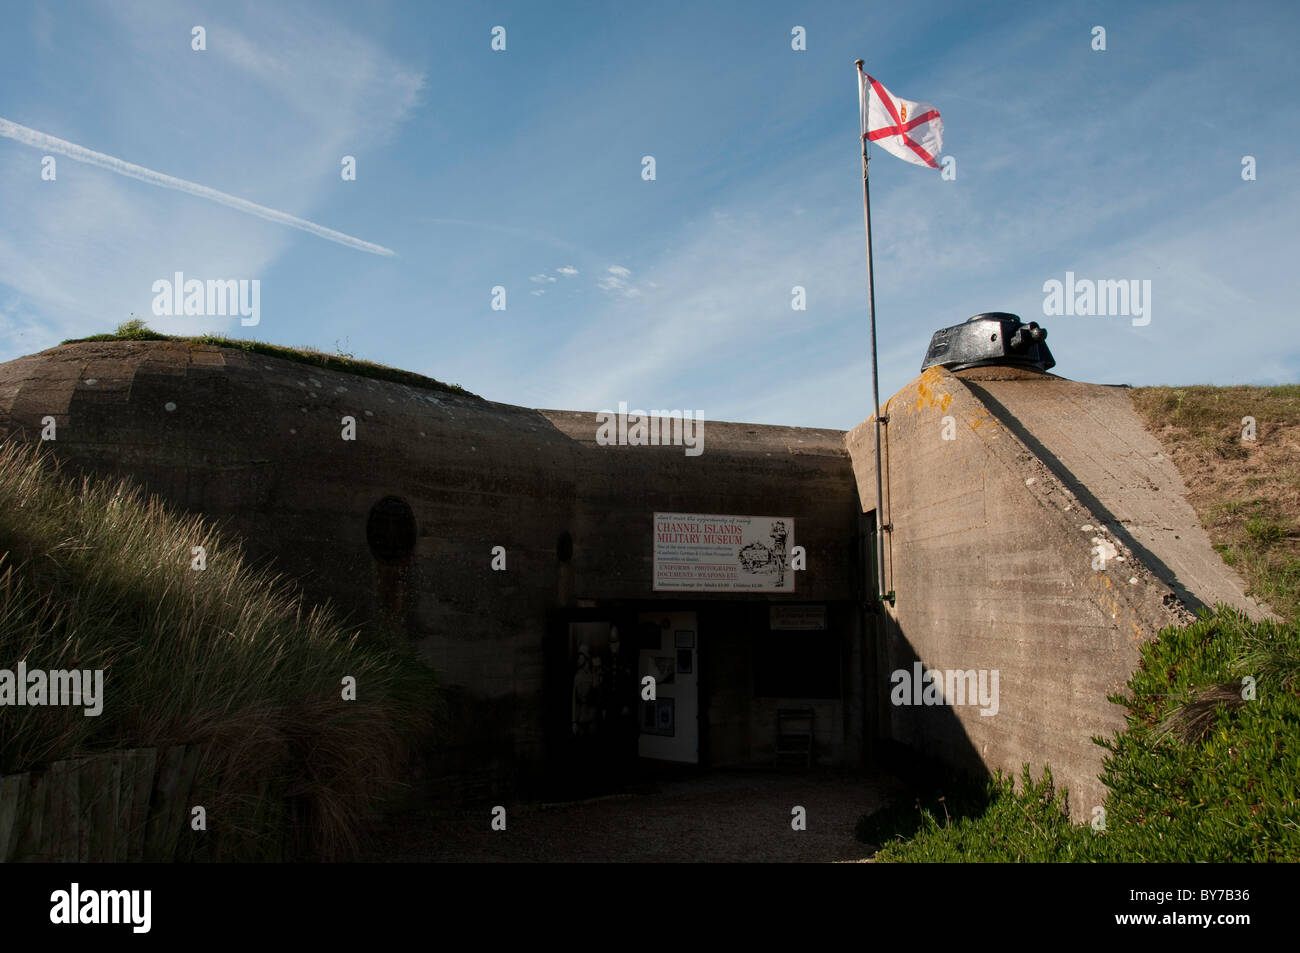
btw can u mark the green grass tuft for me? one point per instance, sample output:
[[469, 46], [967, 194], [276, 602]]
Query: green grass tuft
[[97, 575], [135, 330], [1263, 531]]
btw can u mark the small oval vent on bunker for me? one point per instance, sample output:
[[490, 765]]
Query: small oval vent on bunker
[[390, 530]]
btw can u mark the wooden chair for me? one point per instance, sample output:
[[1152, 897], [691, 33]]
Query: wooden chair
[[794, 734]]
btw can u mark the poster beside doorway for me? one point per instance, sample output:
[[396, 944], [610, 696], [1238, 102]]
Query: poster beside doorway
[[669, 724]]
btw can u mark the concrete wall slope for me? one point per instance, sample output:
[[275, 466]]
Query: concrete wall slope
[[1092, 439], [992, 559]]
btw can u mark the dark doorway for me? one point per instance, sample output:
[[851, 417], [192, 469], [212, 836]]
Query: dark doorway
[[592, 702]]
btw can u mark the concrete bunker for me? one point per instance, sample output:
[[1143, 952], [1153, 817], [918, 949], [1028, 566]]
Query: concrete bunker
[[985, 549]]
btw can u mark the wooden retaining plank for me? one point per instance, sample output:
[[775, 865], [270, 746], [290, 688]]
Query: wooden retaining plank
[[30, 822], [167, 808], [196, 845], [194, 756], [63, 807], [93, 796], [138, 771], [12, 796], [87, 791], [101, 783], [122, 839], [184, 804], [113, 807]]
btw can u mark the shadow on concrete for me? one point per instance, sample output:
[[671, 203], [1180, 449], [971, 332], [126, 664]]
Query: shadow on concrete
[[919, 742], [1085, 496], [925, 784]]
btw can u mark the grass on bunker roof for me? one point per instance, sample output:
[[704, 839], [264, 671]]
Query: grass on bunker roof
[[136, 330], [1245, 491]]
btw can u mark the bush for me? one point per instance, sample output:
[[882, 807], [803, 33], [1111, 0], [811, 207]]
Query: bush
[[1200, 772], [1203, 770], [1031, 824]]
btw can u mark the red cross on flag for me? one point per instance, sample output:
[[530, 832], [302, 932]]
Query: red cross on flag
[[911, 131]]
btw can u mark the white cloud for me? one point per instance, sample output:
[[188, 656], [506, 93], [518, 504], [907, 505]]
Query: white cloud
[[83, 252], [616, 282], [542, 278], [47, 143], [568, 271]]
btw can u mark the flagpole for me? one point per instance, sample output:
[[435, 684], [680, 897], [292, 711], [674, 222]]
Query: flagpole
[[881, 528]]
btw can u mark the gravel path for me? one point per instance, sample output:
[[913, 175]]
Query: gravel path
[[718, 817]]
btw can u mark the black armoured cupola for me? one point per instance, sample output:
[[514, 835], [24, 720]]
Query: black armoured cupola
[[992, 338]]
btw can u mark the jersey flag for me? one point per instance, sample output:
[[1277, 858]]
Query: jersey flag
[[911, 131]]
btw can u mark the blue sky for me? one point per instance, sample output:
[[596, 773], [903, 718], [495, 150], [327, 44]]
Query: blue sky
[[522, 169]]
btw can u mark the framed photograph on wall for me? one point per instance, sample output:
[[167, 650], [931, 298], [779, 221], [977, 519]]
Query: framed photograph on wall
[[663, 670], [659, 717], [665, 717]]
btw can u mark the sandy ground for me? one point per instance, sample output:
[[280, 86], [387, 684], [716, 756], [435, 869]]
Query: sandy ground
[[717, 817]]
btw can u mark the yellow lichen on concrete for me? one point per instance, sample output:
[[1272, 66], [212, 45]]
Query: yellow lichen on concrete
[[928, 391]]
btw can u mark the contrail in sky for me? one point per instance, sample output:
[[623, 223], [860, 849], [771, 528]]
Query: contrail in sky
[[39, 140]]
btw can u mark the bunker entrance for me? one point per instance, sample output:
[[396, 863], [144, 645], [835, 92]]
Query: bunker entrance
[[644, 690]]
